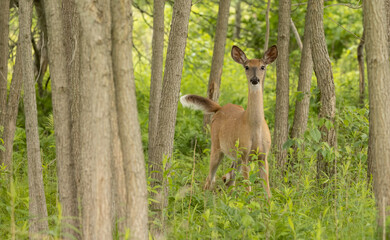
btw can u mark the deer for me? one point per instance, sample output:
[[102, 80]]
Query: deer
[[231, 125]]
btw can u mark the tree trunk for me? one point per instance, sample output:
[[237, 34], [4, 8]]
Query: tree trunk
[[4, 54], [302, 103], [62, 119], [282, 84], [40, 51], [169, 101], [95, 121], [127, 117], [360, 57], [11, 112], [218, 56], [377, 51], [37, 200], [71, 23], [156, 75], [266, 38], [323, 71], [237, 28]]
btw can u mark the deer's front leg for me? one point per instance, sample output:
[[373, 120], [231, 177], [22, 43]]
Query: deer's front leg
[[264, 173]]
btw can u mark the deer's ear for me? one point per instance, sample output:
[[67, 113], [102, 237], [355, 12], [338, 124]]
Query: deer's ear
[[238, 55], [270, 55]]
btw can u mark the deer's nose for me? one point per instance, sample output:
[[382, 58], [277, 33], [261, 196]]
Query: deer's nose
[[255, 80]]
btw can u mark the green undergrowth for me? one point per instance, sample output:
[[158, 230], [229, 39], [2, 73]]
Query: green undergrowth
[[340, 206]]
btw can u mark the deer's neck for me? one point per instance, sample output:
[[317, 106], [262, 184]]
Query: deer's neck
[[255, 109]]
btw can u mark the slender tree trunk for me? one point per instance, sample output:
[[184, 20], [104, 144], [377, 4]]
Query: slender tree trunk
[[266, 38], [40, 51], [218, 56], [130, 132], [72, 42], [12, 112], [282, 84], [62, 120], [95, 121], [323, 71], [4, 54], [237, 28], [377, 51], [169, 101], [156, 76], [302, 103], [360, 58], [37, 200]]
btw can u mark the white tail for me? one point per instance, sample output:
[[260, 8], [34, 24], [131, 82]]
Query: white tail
[[199, 103], [231, 123]]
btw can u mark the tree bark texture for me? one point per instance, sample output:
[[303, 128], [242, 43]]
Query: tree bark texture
[[62, 119], [72, 41], [266, 38], [127, 117], [282, 84], [156, 73], [237, 28], [323, 71], [37, 200], [41, 59], [169, 100], [218, 56], [4, 54], [302, 104], [360, 58], [377, 51], [95, 121]]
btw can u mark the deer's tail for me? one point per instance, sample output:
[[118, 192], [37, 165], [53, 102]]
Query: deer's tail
[[199, 103]]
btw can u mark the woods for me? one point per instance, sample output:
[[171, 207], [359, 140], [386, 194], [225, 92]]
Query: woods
[[95, 144]]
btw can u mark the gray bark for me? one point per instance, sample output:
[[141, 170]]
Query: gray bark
[[62, 120], [4, 54], [323, 70], [72, 42], [156, 76], [218, 55], [305, 73], [282, 84], [11, 112], [169, 100], [237, 29], [37, 199], [127, 117], [95, 121], [377, 51]]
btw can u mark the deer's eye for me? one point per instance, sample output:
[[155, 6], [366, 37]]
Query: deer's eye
[[262, 67], [246, 68]]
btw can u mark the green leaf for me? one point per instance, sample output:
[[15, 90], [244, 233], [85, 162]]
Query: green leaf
[[315, 134], [288, 144]]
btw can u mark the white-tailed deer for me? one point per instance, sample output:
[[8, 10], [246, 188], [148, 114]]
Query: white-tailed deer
[[231, 123]]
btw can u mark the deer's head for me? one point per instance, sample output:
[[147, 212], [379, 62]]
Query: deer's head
[[254, 68]]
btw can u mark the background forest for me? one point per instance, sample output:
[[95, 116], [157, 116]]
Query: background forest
[[339, 204]]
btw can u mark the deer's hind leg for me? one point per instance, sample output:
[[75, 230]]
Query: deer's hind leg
[[229, 178], [215, 159]]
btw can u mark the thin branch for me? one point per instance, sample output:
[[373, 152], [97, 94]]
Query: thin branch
[[360, 38], [296, 34]]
